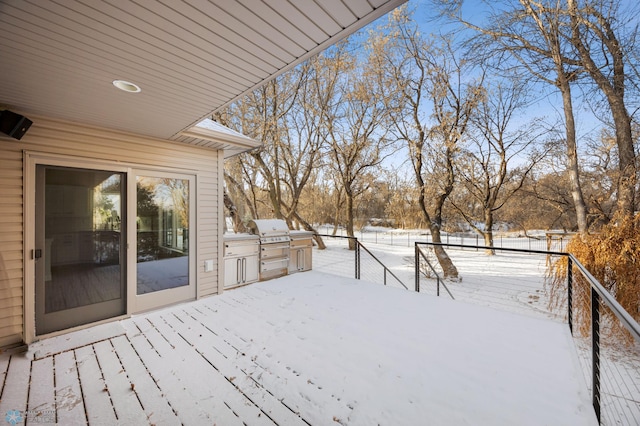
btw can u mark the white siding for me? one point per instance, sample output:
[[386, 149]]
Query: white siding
[[62, 138]]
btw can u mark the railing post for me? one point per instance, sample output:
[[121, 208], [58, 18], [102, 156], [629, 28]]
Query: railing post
[[595, 351], [570, 293], [357, 258], [417, 267]]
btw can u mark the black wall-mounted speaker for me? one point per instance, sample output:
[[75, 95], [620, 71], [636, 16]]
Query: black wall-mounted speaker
[[14, 125]]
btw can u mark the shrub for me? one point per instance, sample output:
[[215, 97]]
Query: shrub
[[613, 258]]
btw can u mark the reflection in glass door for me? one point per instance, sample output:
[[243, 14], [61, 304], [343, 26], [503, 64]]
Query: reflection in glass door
[[162, 229], [80, 250]]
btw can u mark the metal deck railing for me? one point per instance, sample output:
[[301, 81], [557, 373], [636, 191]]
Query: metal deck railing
[[347, 256]]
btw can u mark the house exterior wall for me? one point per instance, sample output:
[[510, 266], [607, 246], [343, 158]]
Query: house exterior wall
[[49, 136]]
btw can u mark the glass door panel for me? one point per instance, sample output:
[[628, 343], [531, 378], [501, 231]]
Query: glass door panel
[[163, 219], [80, 250]]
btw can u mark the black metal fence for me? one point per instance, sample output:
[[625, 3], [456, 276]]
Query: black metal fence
[[607, 337], [555, 241]]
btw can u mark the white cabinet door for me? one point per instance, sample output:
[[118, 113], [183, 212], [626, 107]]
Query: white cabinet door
[[240, 270], [251, 269], [231, 272]]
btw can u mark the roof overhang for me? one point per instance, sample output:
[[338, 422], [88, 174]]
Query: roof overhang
[[190, 58], [211, 134]]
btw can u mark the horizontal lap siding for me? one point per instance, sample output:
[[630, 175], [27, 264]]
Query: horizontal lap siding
[[53, 137], [11, 248]]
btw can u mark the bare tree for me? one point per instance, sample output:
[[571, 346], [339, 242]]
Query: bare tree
[[604, 56], [358, 136], [532, 33], [284, 116], [557, 42], [486, 167], [427, 76]]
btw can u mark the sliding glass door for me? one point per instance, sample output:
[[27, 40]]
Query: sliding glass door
[[80, 248], [108, 241]]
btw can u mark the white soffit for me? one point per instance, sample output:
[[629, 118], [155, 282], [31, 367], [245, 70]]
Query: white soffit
[[59, 58]]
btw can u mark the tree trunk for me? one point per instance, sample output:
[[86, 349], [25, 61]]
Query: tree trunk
[[306, 225], [336, 213], [627, 159], [241, 192], [487, 234], [448, 268], [350, 232], [572, 154], [238, 226]]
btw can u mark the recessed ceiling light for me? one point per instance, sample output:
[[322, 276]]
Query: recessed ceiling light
[[127, 86]]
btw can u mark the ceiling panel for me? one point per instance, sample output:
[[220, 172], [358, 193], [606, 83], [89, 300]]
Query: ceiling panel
[[338, 11], [192, 57]]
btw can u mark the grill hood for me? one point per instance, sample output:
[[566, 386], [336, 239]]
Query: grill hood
[[268, 227]]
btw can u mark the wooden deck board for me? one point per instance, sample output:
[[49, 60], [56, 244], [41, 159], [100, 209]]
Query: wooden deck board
[[123, 395], [187, 366], [96, 395], [16, 386], [162, 372], [4, 365], [69, 399], [298, 391], [42, 390], [154, 403]]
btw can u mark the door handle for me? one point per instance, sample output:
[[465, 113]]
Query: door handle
[[36, 254], [244, 269]]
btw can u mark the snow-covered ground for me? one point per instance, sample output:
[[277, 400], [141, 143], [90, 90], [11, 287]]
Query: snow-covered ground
[[514, 282], [309, 348]]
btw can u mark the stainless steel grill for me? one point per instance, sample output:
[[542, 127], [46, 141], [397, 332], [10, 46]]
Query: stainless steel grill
[[274, 246]]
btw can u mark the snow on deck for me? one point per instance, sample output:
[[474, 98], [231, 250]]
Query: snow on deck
[[309, 348]]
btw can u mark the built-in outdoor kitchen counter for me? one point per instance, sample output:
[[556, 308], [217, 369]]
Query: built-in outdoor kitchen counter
[[268, 251], [300, 250]]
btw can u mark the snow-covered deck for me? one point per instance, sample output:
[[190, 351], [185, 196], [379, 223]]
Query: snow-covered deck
[[309, 348]]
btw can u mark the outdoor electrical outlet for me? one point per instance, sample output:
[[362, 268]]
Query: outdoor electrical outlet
[[208, 265]]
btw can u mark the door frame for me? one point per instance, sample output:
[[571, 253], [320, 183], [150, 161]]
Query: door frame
[[33, 158]]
